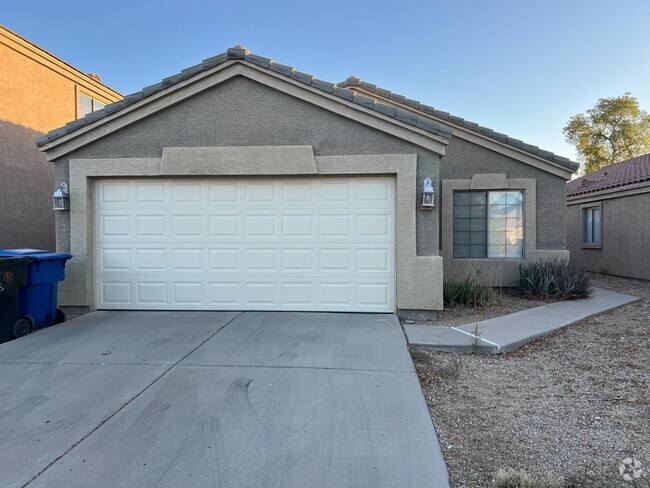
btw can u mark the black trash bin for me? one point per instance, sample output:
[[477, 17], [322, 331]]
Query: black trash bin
[[13, 275]]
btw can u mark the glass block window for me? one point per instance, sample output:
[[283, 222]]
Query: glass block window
[[488, 224], [591, 225]]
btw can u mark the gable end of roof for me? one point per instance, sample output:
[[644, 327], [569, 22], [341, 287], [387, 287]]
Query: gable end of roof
[[241, 54]]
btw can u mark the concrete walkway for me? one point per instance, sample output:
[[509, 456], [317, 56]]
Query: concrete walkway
[[209, 399], [503, 334]]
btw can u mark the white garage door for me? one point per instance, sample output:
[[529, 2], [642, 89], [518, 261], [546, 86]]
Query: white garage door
[[325, 244]]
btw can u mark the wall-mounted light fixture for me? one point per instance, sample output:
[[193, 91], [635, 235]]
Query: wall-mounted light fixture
[[428, 195], [61, 197]]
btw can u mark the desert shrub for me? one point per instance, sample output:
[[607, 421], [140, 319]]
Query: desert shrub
[[511, 478], [553, 278], [469, 291]]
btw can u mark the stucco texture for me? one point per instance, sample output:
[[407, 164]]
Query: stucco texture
[[26, 185], [464, 159], [242, 112], [544, 213], [625, 236], [38, 93]]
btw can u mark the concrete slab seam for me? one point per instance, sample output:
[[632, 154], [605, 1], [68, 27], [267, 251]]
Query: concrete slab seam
[[127, 403], [319, 368], [72, 363]]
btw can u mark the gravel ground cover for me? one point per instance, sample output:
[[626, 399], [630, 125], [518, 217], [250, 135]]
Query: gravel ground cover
[[573, 404]]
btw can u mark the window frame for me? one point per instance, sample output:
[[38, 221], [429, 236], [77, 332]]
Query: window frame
[[583, 225], [93, 103], [487, 230]]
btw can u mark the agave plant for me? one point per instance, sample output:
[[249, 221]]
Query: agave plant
[[554, 278]]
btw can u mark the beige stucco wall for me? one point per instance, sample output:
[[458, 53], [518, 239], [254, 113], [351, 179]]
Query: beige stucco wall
[[625, 246], [218, 132], [497, 272], [411, 270], [38, 93], [470, 166]]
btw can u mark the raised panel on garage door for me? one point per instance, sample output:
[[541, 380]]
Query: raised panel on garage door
[[321, 244]]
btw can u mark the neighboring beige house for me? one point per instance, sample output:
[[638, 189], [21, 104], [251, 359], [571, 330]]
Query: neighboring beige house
[[38, 92], [244, 184], [608, 219]]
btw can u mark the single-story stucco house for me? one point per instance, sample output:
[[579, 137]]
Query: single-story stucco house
[[244, 184], [608, 219]]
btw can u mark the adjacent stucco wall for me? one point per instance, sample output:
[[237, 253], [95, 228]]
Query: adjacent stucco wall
[[38, 93], [26, 185], [242, 112], [544, 236], [625, 247]]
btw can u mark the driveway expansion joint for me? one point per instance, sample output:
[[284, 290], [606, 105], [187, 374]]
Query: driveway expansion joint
[[86, 363], [271, 366]]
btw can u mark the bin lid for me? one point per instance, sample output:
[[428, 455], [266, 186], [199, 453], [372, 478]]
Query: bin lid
[[13, 259], [35, 254]]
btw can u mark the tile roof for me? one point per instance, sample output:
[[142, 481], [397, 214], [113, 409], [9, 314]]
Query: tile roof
[[635, 170], [353, 83], [240, 53]]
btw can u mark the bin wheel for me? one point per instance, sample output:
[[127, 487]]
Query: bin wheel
[[23, 326], [60, 316]]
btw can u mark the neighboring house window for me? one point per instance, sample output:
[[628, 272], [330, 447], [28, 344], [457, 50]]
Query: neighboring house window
[[88, 104], [488, 224], [591, 225]]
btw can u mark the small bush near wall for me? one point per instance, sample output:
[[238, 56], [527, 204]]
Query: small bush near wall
[[553, 278], [510, 478], [469, 291]]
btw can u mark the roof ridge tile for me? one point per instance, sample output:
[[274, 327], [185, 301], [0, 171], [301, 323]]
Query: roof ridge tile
[[283, 69], [210, 63]]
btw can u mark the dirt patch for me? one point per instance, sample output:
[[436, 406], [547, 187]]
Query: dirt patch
[[573, 404], [505, 302]]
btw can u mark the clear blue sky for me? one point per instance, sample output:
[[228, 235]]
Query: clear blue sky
[[521, 67]]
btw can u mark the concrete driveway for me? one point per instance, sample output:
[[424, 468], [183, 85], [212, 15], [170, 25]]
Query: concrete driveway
[[210, 399]]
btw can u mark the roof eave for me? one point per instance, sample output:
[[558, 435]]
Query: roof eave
[[83, 135], [565, 170], [610, 192]]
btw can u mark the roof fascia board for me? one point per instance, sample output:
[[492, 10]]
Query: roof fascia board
[[224, 72], [480, 140], [32, 51]]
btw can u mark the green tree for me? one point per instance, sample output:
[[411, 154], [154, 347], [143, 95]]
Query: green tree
[[614, 130]]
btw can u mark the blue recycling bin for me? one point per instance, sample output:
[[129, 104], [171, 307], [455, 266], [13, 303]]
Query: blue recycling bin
[[37, 300]]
